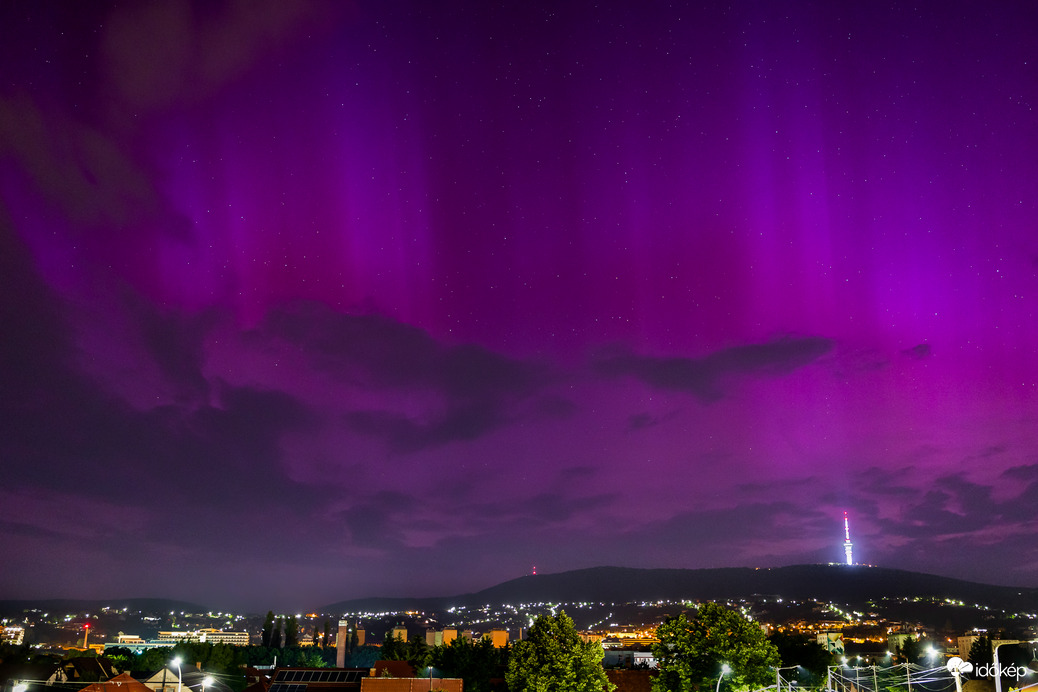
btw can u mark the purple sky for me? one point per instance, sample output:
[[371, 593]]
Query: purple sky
[[304, 301]]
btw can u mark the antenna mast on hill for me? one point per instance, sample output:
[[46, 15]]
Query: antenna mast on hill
[[847, 545]]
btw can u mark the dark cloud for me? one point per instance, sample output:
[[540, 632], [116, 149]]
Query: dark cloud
[[887, 484], [55, 417], [576, 474], [640, 420], [553, 508], [470, 389], [462, 422], [88, 174], [918, 352], [1025, 473], [164, 53], [175, 343], [762, 522], [35, 345], [377, 519], [705, 377], [753, 533], [554, 407], [377, 351], [930, 526]]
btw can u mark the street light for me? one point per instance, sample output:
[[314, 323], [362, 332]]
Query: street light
[[778, 677], [176, 662], [725, 668]]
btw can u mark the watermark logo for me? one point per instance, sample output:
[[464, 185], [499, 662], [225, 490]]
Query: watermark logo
[[990, 670]]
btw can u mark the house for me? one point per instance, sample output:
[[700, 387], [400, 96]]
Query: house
[[411, 684], [255, 676], [631, 680], [32, 675], [88, 669], [120, 683], [317, 679], [392, 669], [165, 679], [191, 679]]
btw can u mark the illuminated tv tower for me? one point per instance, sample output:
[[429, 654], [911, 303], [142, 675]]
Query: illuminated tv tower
[[847, 545]]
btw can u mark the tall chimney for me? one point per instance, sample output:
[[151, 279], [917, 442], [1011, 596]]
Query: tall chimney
[[342, 640]]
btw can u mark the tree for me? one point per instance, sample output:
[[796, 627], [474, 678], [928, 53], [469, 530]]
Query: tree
[[311, 659], [555, 659], [393, 649], [275, 636], [798, 650], [363, 657], [911, 650], [691, 653], [122, 659], [417, 651], [327, 633], [475, 663], [291, 632], [268, 628], [980, 652]]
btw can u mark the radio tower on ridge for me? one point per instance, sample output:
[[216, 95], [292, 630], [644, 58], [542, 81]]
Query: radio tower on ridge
[[847, 540]]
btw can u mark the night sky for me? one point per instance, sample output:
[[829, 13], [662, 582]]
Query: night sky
[[306, 301]]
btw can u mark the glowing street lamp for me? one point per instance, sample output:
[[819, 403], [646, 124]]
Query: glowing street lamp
[[724, 669], [207, 681], [176, 662], [778, 677]]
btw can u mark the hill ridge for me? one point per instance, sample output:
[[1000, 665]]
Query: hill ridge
[[828, 582]]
